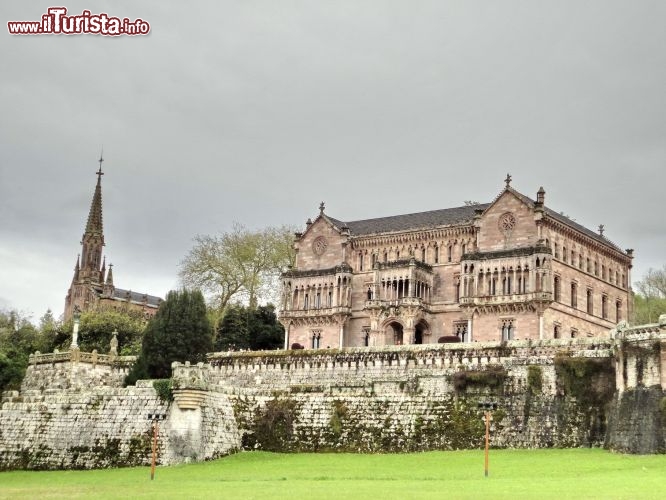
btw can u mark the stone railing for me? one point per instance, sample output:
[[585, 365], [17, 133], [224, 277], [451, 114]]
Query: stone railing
[[77, 356], [506, 299], [404, 301], [313, 312], [464, 353]]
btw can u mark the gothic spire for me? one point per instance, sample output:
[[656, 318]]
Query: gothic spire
[[94, 224], [109, 275]]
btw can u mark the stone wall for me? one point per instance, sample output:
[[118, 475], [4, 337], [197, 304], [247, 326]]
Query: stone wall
[[56, 429], [550, 393], [409, 398]]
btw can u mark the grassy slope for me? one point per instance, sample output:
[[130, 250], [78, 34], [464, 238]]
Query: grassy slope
[[561, 474]]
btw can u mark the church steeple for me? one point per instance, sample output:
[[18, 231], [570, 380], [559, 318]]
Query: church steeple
[[94, 224], [93, 237]]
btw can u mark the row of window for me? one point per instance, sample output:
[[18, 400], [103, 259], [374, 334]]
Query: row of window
[[557, 296], [613, 276], [419, 253]]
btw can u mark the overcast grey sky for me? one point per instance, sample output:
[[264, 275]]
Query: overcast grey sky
[[255, 111]]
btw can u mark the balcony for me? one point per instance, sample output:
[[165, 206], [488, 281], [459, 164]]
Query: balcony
[[315, 312], [403, 302], [483, 300]]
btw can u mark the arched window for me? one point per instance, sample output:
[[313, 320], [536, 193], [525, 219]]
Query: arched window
[[557, 289], [423, 254], [436, 254], [604, 306], [590, 302], [574, 295]]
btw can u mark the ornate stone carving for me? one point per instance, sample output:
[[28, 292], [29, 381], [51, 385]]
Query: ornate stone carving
[[319, 245], [507, 222]]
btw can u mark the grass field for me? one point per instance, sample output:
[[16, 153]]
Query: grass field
[[562, 474]]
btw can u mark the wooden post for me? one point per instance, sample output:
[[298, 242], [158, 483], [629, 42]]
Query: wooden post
[[487, 440], [152, 463]]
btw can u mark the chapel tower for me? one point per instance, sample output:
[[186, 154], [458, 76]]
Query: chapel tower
[[90, 268]]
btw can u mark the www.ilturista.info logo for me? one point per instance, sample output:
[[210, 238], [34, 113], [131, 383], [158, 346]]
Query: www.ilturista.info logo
[[57, 22]]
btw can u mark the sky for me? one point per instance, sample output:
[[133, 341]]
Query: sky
[[256, 111]]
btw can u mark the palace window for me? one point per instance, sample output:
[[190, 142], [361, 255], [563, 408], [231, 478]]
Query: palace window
[[460, 330], [366, 335], [316, 338], [564, 253], [463, 248], [588, 268], [574, 333], [603, 272], [318, 300], [436, 254], [580, 261], [456, 287], [507, 329], [590, 302], [306, 302], [618, 311], [557, 251], [557, 289], [574, 295], [573, 258], [596, 268], [556, 331], [385, 256], [374, 259], [604, 306], [360, 261], [329, 301], [449, 253], [423, 254]]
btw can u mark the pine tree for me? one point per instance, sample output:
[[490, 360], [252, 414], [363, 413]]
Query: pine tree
[[179, 331]]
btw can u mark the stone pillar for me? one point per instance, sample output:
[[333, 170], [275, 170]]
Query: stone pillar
[[469, 329], [287, 328], [342, 335], [408, 335], [540, 326]]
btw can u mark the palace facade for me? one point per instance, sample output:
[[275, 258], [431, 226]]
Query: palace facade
[[92, 285], [510, 269]]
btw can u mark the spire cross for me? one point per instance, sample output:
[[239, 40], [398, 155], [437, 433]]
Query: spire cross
[[508, 180], [101, 159], [601, 229], [321, 207]]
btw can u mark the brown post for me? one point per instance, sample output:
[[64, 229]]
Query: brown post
[[152, 464], [487, 440]]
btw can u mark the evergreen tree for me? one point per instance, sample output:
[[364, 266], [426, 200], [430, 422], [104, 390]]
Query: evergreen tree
[[180, 331], [249, 328]]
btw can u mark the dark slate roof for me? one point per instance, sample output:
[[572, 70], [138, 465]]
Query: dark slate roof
[[136, 297], [567, 221], [450, 217], [421, 220]]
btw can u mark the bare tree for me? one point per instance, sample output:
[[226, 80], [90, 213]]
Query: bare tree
[[242, 265]]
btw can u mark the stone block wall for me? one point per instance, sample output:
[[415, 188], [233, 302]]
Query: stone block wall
[[54, 429], [551, 393]]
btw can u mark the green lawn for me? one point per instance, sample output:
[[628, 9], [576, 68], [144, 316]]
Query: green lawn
[[561, 474]]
